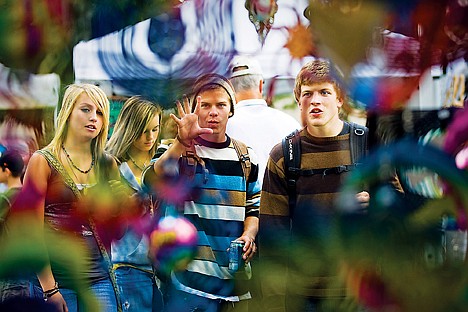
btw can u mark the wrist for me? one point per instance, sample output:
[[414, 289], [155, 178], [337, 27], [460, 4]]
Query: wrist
[[188, 145], [50, 292]]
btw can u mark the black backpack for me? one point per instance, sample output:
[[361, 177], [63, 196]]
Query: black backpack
[[292, 158]]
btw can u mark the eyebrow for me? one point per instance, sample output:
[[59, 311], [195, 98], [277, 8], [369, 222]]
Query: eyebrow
[[321, 89], [88, 105], [221, 102]]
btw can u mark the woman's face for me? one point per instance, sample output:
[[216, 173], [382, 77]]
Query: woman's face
[[86, 120], [149, 136]]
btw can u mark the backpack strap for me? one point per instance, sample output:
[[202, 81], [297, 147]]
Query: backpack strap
[[292, 165], [325, 171], [244, 157], [357, 141], [189, 161], [292, 159]]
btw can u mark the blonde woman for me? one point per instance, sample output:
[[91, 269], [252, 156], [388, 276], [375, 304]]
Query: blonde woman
[[56, 179], [133, 143]]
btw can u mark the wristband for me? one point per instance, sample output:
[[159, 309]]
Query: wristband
[[181, 142], [49, 293]]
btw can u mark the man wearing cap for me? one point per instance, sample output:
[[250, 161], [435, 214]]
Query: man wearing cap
[[223, 204], [255, 123]]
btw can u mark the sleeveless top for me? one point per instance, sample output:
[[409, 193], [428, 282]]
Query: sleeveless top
[[61, 217]]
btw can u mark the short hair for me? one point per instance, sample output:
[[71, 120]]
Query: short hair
[[211, 82], [13, 161], [246, 82], [319, 71], [72, 93], [137, 112], [245, 73]]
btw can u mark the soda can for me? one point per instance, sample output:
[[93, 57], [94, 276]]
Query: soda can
[[235, 256]]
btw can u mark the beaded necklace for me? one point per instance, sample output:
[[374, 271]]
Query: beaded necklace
[[73, 164]]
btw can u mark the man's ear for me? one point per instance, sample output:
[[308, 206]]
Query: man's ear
[[230, 114], [7, 171], [341, 101]]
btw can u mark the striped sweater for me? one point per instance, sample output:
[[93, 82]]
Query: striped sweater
[[220, 203], [307, 229]]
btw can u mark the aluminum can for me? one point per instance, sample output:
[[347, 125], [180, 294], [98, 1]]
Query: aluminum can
[[235, 256]]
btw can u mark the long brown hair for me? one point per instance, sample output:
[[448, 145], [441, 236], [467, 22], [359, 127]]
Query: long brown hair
[[131, 123]]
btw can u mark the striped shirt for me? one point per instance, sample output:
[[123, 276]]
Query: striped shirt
[[221, 200], [308, 227]]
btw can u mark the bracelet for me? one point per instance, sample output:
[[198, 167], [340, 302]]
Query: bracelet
[[181, 142], [49, 293]]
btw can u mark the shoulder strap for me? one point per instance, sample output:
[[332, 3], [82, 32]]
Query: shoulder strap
[[189, 162], [57, 165], [292, 159], [292, 165], [357, 141], [243, 154]]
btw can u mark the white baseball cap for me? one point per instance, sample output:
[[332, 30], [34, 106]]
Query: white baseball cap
[[242, 65]]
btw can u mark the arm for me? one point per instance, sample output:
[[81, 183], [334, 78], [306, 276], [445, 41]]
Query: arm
[[251, 221], [35, 189], [248, 236]]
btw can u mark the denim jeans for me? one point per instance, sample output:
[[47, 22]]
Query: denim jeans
[[138, 290], [103, 292], [19, 288], [184, 302]]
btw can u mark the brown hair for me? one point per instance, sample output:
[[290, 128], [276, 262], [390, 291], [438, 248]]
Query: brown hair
[[319, 71], [136, 114]]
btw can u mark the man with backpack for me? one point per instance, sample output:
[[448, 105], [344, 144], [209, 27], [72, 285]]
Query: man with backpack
[[303, 177], [223, 201]]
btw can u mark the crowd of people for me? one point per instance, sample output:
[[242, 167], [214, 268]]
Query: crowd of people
[[229, 151]]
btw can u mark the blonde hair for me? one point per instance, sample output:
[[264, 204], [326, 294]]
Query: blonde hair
[[72, 93], [134, 118]]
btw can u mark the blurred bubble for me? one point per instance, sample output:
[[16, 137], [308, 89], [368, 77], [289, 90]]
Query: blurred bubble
[[381, 94], [173, 244]]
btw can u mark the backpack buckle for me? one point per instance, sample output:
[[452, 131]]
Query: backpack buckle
[[291, 183], [341, 169], [359, 131], [245, 159]]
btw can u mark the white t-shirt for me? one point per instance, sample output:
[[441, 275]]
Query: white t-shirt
[[260, 127]]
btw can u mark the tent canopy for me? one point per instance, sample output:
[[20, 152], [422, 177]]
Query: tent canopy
[[22, 90], [159, 57]]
